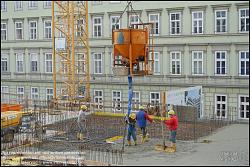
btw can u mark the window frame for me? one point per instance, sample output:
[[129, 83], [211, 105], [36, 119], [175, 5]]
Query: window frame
[[32, 28], [96, 61], [3, 94], [81, 62], [199, 19], [6, 31], [245, 60], [245, 18], [97, 24], [156, 60], [198, 60], [136, 100], [245, 103], [119, 102], [49, 94], [113, 24], [215, 63], [158, 21], [216, 102], [47, 60], [20, 95], [4, 5], [45, 4], [18, 29], [99, 103], [17, 60], [21, 5], [4, 56], [32, 3], [171, 61], [215, 21], [36, 93], [45, 37], [31, 60], [151, 100], [170, 21]]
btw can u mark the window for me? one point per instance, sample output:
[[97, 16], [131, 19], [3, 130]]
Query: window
[[33, 4], [175, 62], [4, 63], [197, 22], [47, 29], [220, 106], [220, 62], [154, 98], [3, 6], [3, 31], [175, 23], [97, 63], [98, 99], [96, 2], [97, 27], [197, 62], [49, 94], [156, 62], [33, 62], [115, 22], [155, 19], [34, 93], [33, 30], [18, 5], [80, 28], [20, 94], [19, 62], [134, 19], [244, 63], [5, 94], [116, 101], [81, 63], [64, 65], [47, 4], [48, 62], [136, 100], [244, 106], [19, 30], [244, 20], [221, 21]]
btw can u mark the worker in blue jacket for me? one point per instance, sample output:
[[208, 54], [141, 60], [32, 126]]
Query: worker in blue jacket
[[141, 118]]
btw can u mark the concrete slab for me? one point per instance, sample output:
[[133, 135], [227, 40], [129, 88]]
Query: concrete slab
[[229, 146]]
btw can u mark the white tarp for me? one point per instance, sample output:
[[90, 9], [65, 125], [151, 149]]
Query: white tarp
[[60, 43]]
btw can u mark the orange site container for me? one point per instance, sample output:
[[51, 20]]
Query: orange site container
[[11, 107]]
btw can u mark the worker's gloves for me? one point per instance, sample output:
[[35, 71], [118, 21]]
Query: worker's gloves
[[163, 119]]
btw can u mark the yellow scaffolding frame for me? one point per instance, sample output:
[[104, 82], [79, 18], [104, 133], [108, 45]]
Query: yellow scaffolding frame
[[66, 17]]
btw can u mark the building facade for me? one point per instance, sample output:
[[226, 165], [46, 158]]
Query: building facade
[[199, 43]]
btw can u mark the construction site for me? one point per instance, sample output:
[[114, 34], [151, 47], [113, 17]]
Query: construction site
[[37, 132]]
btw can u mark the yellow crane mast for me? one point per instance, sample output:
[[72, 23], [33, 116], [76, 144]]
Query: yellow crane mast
[[71, 76]]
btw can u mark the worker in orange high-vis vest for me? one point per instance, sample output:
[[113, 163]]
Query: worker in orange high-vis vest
[[172, 124]]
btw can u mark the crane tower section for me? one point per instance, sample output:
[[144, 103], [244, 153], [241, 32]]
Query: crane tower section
[[71, 75]]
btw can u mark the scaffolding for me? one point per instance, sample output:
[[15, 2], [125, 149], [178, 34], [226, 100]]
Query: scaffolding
[[70, 38]]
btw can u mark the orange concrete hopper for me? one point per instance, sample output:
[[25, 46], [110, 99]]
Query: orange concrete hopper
[[132, 46]]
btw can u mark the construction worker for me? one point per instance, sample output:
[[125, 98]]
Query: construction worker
[[172, 125], [141, 118], [81, 120], [131, 121]]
